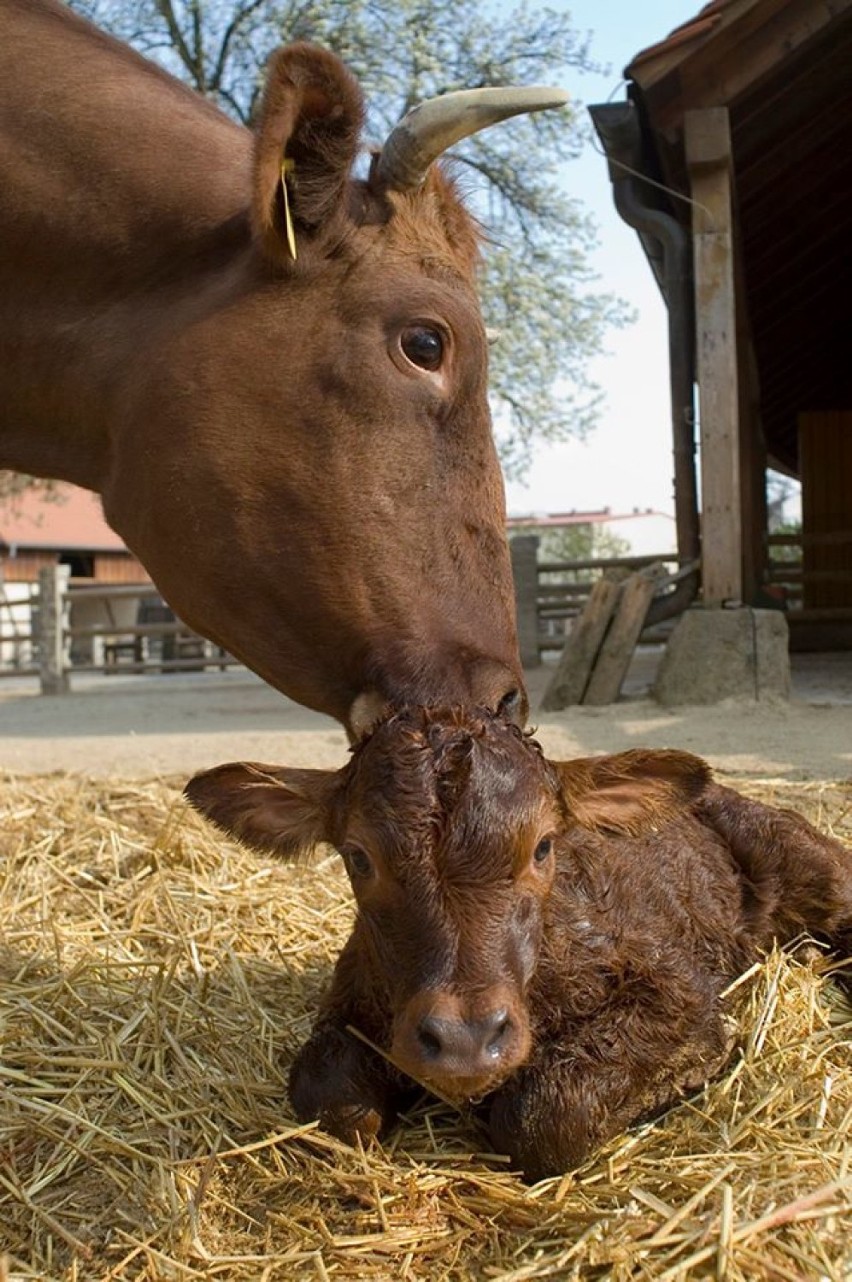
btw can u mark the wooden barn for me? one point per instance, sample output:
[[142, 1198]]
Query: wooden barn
[[732, 159], [64, 526]]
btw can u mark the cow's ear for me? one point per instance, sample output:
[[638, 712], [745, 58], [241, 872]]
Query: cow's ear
[[306, 139], [271, 808], [631, 792]]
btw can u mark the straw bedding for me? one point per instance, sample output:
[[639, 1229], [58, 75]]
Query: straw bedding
[[155, 981]]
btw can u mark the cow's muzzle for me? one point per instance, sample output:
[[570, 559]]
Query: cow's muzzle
[[480, 683]]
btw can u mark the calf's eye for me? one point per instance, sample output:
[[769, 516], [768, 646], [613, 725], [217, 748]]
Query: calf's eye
[[423, 346], [542, 850], [358, 861]]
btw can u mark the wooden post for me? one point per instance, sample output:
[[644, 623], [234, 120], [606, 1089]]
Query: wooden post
[[707, 139], [524, 549], [53, 586]]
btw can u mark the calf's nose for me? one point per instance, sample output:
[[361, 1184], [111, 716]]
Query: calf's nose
[[464, 1047]]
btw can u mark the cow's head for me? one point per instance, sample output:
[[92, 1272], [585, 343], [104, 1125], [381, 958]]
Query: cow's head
[[451, 825], [323, 419]]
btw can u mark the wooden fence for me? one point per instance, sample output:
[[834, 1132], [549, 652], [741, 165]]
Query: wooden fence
[[549, 595], [66, 628], [811, 576], [97, 628]]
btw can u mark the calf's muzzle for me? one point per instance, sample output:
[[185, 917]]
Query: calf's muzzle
[[461, 1047]]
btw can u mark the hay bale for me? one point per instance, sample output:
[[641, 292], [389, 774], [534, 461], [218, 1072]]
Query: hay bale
[[155, 981]]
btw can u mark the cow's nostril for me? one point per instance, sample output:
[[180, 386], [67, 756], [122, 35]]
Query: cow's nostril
[[514, 706], [499, 1025], [464, 1046], [508, 705]]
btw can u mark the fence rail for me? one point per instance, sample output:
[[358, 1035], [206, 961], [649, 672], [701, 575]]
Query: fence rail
[[103, 627], [108, 628], [813, 574], [549, 595]]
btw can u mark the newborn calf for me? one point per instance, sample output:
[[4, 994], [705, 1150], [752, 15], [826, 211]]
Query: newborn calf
[[551, 938]]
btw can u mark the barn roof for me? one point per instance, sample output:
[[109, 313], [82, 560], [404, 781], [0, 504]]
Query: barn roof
[[782, 68], [683, 36], [66, 519]]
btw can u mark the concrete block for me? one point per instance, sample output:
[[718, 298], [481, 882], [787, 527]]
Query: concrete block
[[716, 654]]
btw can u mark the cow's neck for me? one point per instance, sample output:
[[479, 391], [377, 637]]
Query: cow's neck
[[121, 189]]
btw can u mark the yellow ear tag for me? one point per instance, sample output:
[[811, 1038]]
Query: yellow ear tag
[[287, 166]]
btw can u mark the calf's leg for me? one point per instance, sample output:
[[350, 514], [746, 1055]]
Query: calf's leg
[[553, 1114], [345, 1085]]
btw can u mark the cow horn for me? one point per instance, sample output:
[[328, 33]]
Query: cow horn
[[433, 126]]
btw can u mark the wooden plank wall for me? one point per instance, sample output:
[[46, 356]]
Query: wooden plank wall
[[825, 459], [110, 567], [117, 567]]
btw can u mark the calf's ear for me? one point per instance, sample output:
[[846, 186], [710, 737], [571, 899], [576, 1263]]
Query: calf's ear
[[305, 143], [631, 792], [268, 807]]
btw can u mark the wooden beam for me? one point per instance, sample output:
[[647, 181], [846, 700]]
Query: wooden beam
[[619, 645], [52, 607], [574, 667], [750, 42], [752, 451], [708, 153]]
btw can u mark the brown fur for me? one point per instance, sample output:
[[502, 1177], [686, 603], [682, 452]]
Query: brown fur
[[299, 491], [573, 993]]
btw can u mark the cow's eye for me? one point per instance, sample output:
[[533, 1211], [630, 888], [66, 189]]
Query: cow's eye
[[423, 346], [543, 850], [358, 861]]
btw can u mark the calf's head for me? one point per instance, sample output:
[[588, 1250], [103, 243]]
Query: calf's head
[[451, 824]]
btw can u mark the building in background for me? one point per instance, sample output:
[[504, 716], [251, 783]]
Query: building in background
[[731, 157], [603, 532], [62, 526]]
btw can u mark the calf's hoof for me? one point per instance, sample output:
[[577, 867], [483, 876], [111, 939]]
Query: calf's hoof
[[341, 1084], [537, 1131], [352, 1122]]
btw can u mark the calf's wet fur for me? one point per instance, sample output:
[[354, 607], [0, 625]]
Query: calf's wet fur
[[550, 939]]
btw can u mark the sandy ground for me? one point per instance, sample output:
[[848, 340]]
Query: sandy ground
[[172, 725]]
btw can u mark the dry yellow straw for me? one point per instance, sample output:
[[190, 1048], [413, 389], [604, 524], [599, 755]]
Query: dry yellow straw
[[155, 982]]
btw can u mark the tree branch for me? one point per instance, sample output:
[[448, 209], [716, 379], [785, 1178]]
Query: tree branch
[[198, 42], [241, 15], [166, 11]]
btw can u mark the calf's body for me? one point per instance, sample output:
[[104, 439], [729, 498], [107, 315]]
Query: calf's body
[[551, 939]]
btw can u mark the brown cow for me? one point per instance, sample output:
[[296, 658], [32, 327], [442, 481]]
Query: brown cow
[[551, 938], [298, 450]]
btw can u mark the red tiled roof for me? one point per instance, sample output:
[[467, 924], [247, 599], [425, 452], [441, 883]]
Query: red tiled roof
[[68, 519]]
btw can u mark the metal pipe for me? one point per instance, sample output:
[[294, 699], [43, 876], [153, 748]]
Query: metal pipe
[[668, 247]]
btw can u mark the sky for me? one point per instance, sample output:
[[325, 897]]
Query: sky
[[626, 462]]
